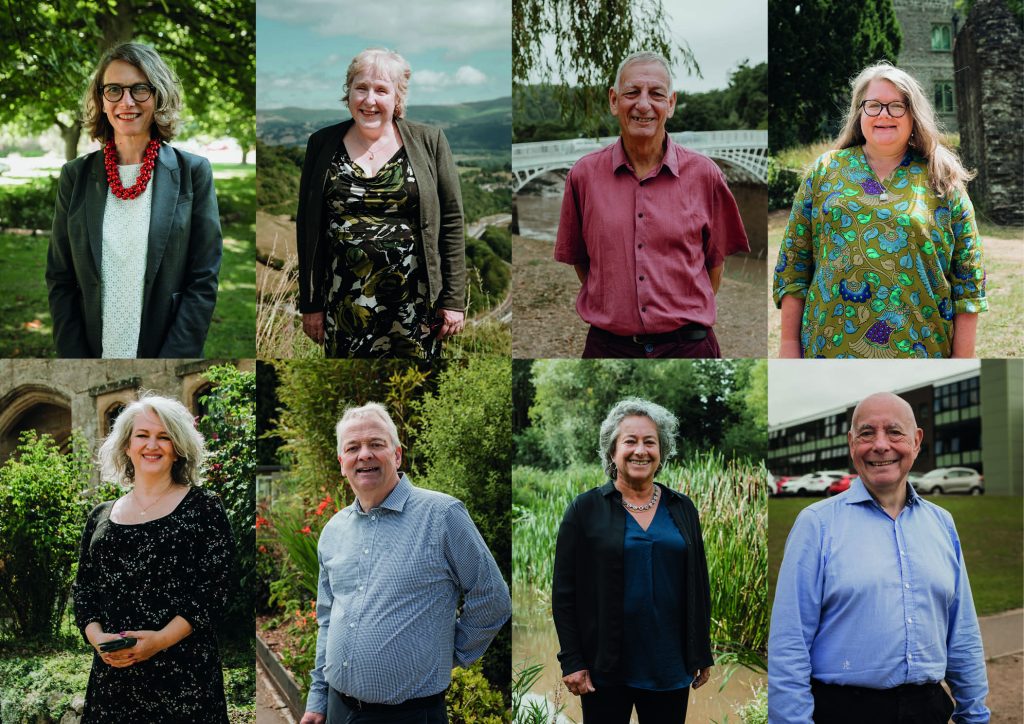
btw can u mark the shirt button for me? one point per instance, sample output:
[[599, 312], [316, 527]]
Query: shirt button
[[910, 620], [360, 588], [351, 625], [344, 663], [639, 246], [366, 550], [641, 277], [902, 552], [641, 215], [910, 657], [643, 309], [906, 585]]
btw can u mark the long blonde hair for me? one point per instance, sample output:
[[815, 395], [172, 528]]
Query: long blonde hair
[[945, 171]]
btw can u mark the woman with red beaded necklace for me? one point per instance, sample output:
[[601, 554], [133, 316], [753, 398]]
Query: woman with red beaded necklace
[[136, 244]]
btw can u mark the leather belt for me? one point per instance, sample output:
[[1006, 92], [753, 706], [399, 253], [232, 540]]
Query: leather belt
[[692, 332], [409, 704]]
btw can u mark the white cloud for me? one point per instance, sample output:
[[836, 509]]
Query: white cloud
[[409, 26], [468, 75]]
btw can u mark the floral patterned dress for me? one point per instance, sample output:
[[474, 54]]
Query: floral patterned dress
[[883, 266], [378, 302], [139, 577]]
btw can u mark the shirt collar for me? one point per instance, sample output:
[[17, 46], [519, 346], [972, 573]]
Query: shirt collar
[[396, 498], [669, 159], [858, 493]]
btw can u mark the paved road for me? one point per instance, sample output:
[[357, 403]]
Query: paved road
[[1003, 633], [270, 708]]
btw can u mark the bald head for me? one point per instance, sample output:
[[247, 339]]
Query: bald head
[[887, 401]]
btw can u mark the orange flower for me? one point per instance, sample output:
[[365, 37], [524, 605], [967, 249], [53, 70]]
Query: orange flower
[[262, 549], [306, 530], [261, 521]]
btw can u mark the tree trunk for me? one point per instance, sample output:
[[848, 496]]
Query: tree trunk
[[117, 26], [71, 134]]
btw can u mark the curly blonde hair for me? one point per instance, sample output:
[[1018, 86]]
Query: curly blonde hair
[[945, 171]]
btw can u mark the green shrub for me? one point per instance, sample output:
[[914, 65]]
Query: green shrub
[[41, 518], [28, 206], [230, 430], [755, 711], [783, 184], [41, 686], [471, 700]]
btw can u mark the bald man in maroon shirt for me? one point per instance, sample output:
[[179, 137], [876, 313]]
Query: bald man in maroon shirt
[[647, 224]]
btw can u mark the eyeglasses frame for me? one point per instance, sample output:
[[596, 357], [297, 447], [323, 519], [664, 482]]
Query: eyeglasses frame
[[883, 106], [150, 86]]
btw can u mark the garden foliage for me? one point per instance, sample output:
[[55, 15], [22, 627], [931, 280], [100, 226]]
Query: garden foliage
[[41, 516], [721, 404], [28, 206], [229, 427]]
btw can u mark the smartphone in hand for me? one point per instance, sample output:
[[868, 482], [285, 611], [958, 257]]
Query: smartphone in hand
[[117, 644]]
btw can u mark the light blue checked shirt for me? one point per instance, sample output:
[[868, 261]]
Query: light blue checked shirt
[[866, 600], [390, 581]]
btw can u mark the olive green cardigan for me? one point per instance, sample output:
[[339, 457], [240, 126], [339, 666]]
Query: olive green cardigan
[[441, 222]]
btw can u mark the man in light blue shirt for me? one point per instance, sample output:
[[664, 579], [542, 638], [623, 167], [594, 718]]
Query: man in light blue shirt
[[873, 607], [393, 566]]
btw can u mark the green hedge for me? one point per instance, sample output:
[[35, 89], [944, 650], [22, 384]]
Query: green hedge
[[783, 183], [28, 206]]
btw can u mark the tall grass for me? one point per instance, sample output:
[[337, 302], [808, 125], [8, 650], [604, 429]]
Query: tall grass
[[731, 500]]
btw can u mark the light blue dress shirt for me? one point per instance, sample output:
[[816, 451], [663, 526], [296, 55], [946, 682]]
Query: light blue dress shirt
[[866, 600], [390, 581]]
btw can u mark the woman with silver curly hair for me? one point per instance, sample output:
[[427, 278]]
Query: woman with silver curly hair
[[153, 574], [622, 645]]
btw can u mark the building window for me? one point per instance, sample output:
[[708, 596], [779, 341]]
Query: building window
[[944, 96], [941, 38]]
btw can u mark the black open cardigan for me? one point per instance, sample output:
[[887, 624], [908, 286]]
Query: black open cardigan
[[589, 582]]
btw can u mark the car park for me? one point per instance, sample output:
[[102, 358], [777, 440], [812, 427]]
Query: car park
[[841, 485], [951, 480], [813, 483]]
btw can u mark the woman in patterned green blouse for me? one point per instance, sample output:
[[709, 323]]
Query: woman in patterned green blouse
[[881, 257]]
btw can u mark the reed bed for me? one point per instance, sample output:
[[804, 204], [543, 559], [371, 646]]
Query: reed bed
[[731, 498]]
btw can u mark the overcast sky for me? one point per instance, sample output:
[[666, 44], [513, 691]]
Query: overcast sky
[[459, 51], [721, 33], [799, 388]]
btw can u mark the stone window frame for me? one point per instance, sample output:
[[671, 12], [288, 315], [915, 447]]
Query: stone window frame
[[947, 38], [941, 107]]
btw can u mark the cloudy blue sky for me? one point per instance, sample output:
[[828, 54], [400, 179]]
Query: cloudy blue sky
[[459, 51]]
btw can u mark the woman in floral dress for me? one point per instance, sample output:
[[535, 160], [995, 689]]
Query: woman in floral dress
[[881, 257], [382, 268]]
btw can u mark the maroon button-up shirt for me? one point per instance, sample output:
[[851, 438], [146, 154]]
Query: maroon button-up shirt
[[649, 242]]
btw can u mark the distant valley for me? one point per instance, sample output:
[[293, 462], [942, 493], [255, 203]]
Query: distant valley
[[478, 127]]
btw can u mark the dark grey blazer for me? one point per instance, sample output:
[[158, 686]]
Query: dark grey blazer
[[441, 229], [185, 246]]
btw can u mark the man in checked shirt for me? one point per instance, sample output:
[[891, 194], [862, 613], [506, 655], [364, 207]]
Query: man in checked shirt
[[392, 568]]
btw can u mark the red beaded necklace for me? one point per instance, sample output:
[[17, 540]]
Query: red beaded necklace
[[145, 173]]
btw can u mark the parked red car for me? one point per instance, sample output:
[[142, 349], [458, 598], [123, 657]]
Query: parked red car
[[840, 485]]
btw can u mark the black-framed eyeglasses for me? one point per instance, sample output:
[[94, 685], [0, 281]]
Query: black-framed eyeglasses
[[895, 109], [140, 91]]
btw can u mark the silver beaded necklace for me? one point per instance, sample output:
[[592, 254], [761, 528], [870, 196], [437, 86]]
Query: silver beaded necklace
[[646, 506]]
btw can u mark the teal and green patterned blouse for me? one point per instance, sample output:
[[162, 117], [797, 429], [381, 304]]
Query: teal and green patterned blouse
[[882, 266]]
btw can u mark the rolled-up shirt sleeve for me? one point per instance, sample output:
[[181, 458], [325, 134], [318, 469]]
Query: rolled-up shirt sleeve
[[794, 625]]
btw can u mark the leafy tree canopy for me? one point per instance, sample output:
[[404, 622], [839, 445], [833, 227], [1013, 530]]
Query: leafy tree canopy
[[53, 48], [817, 47], [581, 43]]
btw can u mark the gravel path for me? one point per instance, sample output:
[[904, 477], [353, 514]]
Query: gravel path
[[545, 323]]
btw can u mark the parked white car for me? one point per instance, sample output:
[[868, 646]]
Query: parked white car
[[813, 483], [951, 480]]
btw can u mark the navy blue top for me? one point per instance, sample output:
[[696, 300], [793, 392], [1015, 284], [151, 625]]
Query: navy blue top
[[654, 562]]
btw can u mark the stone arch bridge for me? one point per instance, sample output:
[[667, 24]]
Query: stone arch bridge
[[746, 151]]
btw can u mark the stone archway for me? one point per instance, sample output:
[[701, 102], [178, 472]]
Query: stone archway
[[34, 407]]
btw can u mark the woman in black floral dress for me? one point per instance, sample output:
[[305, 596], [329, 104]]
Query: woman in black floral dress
[[154, 567], [382, 269]]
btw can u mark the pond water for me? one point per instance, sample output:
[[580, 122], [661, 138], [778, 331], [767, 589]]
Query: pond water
[[534, 642]]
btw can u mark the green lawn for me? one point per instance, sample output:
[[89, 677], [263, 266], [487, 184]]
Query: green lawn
[[25, 325], [990, 530]]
